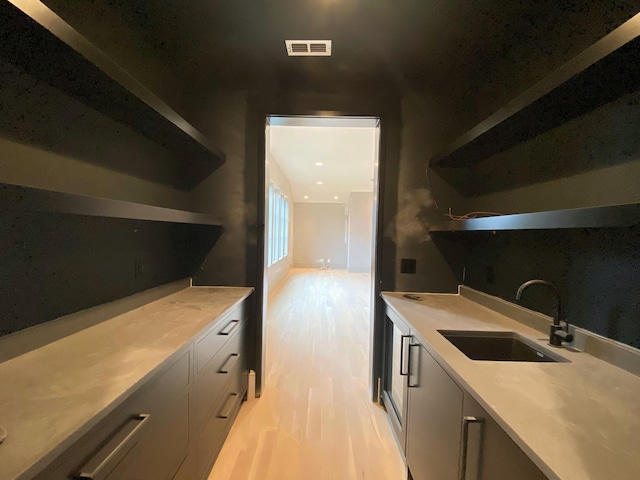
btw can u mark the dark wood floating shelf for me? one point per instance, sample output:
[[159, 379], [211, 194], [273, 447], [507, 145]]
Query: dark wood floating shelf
[[38, 41], [595, 217], [19, 198], [604, 72]]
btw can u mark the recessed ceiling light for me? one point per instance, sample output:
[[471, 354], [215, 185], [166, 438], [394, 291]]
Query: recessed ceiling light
[[318, 183], [319, 164], [306, 197], [335, 198]]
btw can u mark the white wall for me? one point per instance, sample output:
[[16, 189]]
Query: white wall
[[279, 270], [360, 235], [319, 232]]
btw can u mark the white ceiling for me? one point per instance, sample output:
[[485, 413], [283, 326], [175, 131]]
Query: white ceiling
[[347, 155]]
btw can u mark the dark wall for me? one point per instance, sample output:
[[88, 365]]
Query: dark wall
[[123, 30], [437, 267], [591, 160], [596, 270], [231, 192], [54, 264]]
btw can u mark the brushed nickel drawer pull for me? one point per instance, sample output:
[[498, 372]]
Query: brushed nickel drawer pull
[[105, 459], [228, 406], [464, 448], [230, 363], [411, 373], [229, 327], [403, 360]]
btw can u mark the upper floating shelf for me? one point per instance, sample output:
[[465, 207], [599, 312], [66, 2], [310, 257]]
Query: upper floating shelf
[[34, 38], [15, 197], [602, 73], [595, 217]]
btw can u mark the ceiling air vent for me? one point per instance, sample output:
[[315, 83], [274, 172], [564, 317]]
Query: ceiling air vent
[[308, 48]]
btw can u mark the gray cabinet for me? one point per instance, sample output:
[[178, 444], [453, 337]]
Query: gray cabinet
[[397, 337], [435, 410], [450, 436], [490, 454], [174, 425], [146, 438], [220, 386]]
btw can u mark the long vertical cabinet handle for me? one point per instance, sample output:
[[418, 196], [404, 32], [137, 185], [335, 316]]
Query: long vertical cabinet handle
[[98, 467], [412, 374], [403, 360], [464, 450]]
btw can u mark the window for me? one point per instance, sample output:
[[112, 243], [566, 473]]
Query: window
[[278, 229]]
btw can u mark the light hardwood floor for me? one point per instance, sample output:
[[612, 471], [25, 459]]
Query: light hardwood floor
[[314, 419]]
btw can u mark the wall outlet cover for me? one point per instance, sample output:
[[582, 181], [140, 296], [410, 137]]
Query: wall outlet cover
[[408, 265]]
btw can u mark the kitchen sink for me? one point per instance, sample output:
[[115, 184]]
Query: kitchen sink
[[498, 346]]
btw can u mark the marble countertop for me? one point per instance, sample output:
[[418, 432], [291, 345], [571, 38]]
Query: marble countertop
[[578, 420], [51, 396]]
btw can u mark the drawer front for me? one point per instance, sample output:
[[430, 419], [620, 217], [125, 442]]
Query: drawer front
[[152, 399], [212, 341], [214, 431], [158, 394], [186, 470], [210, 383], [163, 447]]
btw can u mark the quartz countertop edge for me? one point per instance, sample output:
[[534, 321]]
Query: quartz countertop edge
[[53, 395], [578, 420]]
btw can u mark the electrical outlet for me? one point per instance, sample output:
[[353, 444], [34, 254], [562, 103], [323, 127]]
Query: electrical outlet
[[408, 265], [138, 271]]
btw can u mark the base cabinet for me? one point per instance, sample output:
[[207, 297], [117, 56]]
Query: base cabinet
[[450, 436], [394, 386], [174, 425], [433, 420], [490, 452]]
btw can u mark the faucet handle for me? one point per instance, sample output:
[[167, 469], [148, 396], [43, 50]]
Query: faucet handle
[[565, 336]]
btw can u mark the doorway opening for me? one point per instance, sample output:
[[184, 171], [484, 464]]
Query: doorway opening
[[321, 210]]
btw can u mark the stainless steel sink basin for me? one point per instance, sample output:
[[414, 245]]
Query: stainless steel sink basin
[[498, 346]]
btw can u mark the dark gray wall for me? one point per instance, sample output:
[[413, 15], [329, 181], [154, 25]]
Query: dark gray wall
[[409, 227], [230, 192], [123, 30], [55, 264], [588, 161]]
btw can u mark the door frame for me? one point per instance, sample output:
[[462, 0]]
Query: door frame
[[387, 110]]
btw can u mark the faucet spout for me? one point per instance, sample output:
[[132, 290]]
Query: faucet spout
[[556, 335]]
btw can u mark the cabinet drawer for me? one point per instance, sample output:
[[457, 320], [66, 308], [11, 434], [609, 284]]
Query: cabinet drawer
[[162, 448], [158, 394], [185, 472], [214, 431], [210, 343], [210, 383], [152, 399]]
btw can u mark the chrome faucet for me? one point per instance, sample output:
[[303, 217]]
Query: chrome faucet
[[557, 334]]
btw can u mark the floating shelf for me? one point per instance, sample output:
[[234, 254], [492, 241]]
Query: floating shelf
[[15, 197], [38, 41], [596, 217], [602, 73]]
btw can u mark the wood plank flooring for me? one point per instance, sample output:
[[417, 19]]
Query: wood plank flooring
[[315, 419]]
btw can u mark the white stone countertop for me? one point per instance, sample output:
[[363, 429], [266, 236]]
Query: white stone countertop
[[578, 420], [51, 396]]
